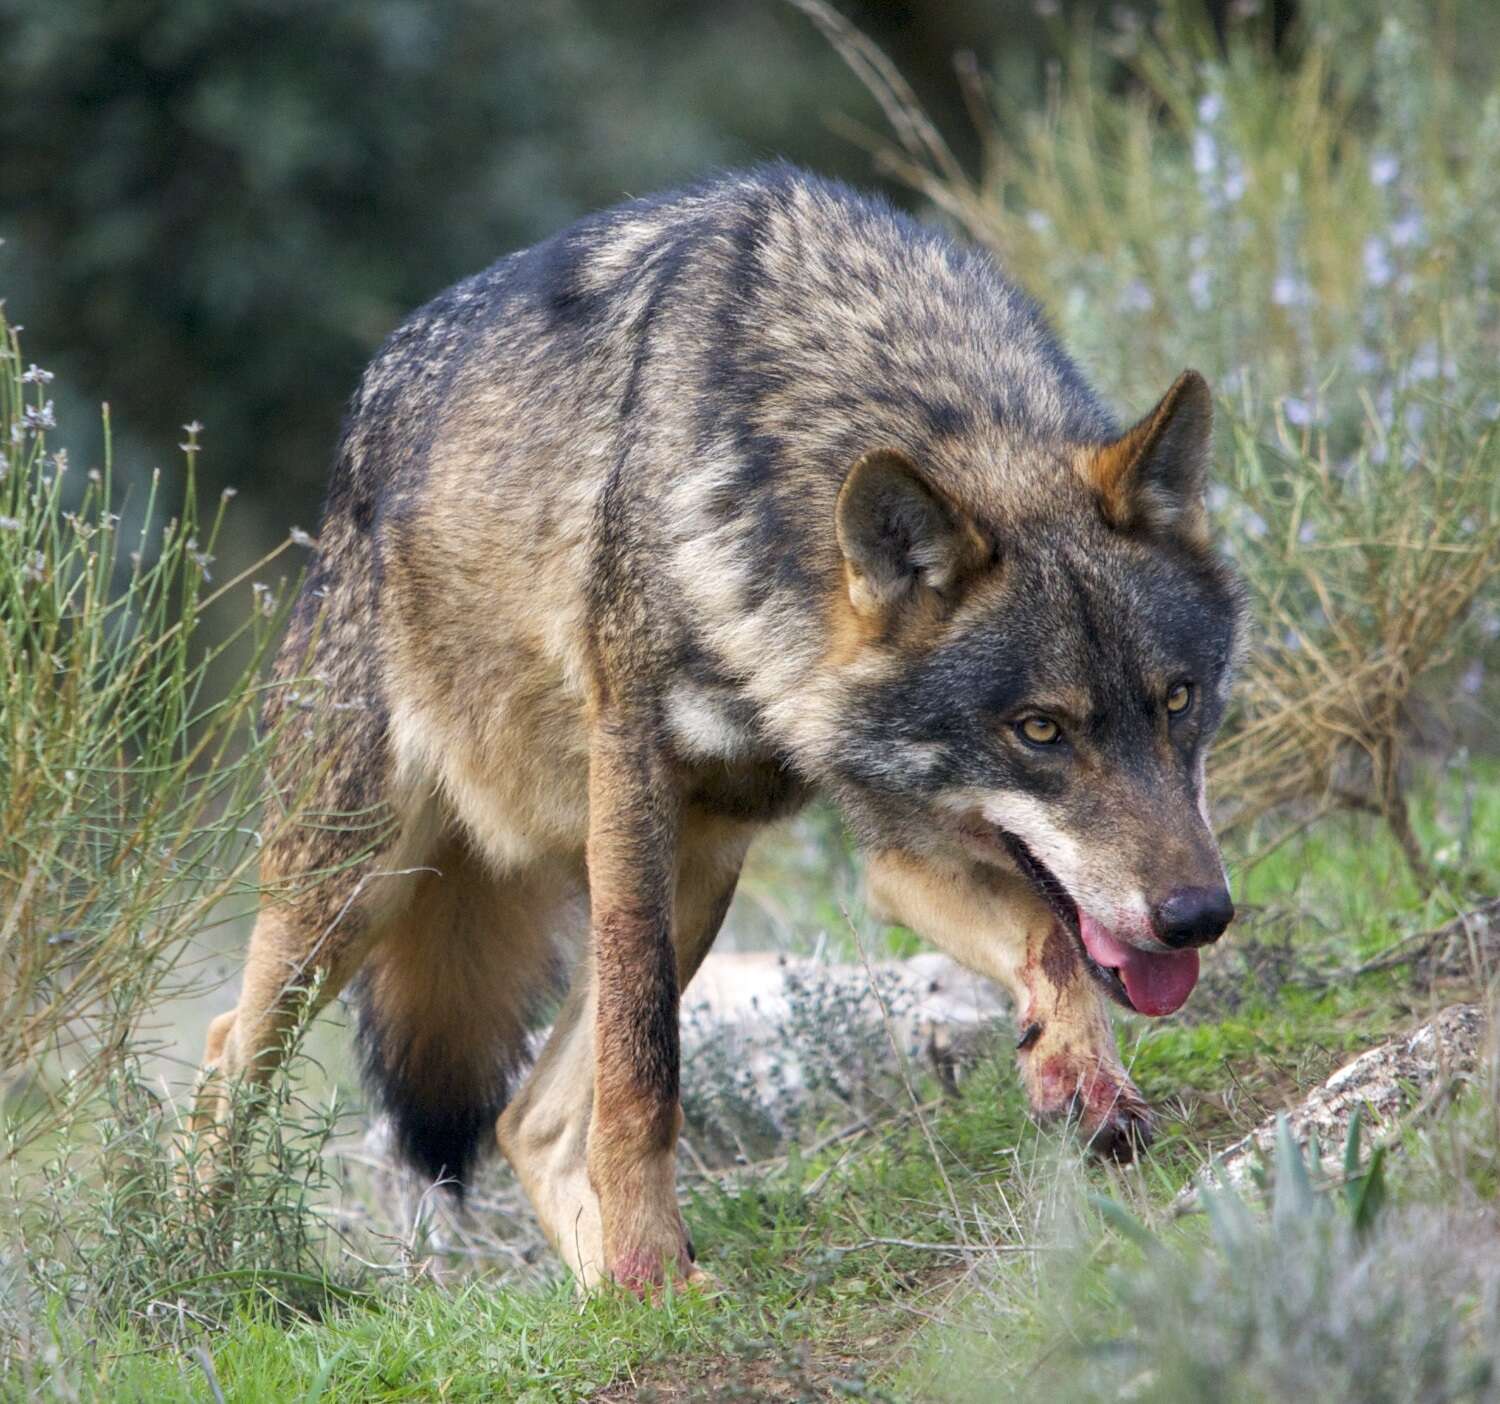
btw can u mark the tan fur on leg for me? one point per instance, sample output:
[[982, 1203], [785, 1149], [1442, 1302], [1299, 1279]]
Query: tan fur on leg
[[996, 925], [292, 970], [634, 815], [302, 952], [544, 1132]]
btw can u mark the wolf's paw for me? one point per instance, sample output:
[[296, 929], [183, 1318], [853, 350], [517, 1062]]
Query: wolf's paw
[[645, 1271], [1111, 1115], [1124, 1133]]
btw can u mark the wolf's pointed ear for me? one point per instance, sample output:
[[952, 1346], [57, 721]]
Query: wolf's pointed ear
[[899, 533], [1152, 478]]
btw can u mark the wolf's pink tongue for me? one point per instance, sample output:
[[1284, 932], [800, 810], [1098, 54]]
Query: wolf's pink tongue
[[1156, 984]]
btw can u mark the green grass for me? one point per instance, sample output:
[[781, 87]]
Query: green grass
[[471, 1344], [806, 1292]]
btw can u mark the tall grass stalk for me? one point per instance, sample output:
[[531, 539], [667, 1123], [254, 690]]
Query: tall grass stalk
[[130, 750]]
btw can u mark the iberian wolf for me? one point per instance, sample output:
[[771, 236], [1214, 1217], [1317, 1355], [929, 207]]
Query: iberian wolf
[[638, 540]]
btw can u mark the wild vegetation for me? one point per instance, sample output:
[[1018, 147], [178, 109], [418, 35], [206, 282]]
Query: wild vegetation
[[132, 756], [1312, 228]]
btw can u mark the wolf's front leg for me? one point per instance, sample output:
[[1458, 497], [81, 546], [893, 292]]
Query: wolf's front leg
[[592, 1135], [995, 924], [634, 824]]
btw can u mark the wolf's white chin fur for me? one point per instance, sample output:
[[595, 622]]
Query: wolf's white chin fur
[[1129, 918]]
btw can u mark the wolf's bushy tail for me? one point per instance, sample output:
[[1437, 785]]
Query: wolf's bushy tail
[[443, 1102], [445, 1004]]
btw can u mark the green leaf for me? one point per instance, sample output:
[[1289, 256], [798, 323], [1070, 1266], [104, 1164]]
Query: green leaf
[[324, 1375], [1368, 1194], [1229, 1219], [1123, 1221], [1294, 1196], [1351, 1147]]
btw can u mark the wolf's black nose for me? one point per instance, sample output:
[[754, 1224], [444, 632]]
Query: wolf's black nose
[[1194, 916]]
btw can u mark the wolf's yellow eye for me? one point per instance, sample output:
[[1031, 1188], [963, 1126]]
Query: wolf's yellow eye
[[1178, 699], [1040, 731]]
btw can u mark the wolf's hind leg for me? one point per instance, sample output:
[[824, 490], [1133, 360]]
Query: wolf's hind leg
[[997, 926], [545, 1131], [295, 965], [305, 947]]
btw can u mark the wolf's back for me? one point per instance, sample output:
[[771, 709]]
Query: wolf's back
[[760, 310]]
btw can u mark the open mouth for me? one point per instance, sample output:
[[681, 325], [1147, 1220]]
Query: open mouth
[[1149, 982]]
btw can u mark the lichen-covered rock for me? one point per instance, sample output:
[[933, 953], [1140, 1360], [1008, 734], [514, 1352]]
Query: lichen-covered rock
[[929, 1004], [1386, 1081]]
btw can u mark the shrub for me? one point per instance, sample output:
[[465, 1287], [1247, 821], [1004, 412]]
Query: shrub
[[107, 1226], [131, 756], [130, 751], [1314, 1285]]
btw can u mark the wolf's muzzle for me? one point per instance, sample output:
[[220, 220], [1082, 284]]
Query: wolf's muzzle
[[1193, 916]]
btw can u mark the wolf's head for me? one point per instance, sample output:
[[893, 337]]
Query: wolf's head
[[1037, 677]]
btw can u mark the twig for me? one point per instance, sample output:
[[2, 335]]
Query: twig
[[259, 1275], [959, 1249], [885, 83], [1412, 948], [823, 1143], [842, 1134], [206, 1364], [692, 1153]]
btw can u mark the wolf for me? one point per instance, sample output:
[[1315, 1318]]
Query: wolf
[[709, 504]]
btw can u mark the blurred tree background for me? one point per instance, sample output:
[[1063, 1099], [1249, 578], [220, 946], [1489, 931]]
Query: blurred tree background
[[216, 209]]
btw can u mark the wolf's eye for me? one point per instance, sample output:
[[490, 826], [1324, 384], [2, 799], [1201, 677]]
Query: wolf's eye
[[1179, 699], [1040, 731]]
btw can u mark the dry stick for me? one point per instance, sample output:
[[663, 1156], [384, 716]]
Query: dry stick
[[474, 1246], [1412, 948], [844, 1133], [1286, 836], [894, 162], [205, 1363], [913, 128], [1435, 1099], [300, 967], [976, 100], [850, 1134], [1249, 1096], [418, 1228], [958, 1249], [1478, 966], [692, 1153]]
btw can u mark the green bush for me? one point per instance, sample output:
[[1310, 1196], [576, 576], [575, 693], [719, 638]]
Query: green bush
[[108, 1225], [131, 759], [1311, 1286]]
